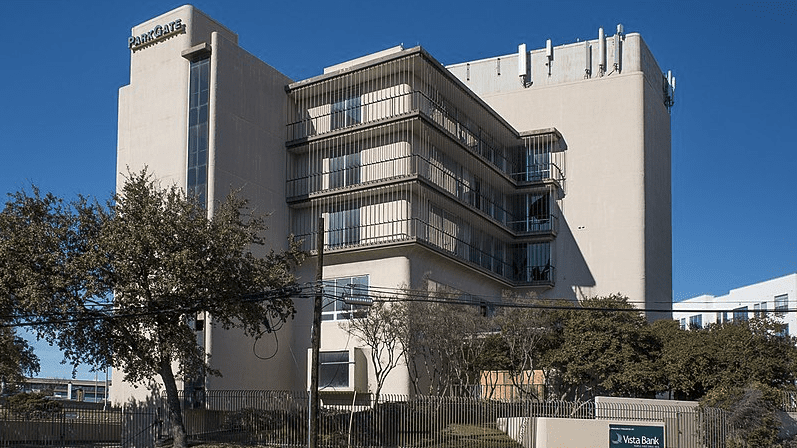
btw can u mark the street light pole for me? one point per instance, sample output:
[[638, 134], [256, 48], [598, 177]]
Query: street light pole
[[316, 336]]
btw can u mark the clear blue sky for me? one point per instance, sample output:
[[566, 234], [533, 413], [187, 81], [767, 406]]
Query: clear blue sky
[[734, 123]]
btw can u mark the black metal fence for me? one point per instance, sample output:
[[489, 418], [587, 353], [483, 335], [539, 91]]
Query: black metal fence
[[60, 427], [281, 419]]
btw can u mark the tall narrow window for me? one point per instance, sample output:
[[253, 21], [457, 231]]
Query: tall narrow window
[[760, 309], [198, 102]]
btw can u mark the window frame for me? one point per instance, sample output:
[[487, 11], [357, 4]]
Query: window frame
[[335, 369], [335, 289]]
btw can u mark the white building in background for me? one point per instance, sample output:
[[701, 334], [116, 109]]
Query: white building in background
[[543, 171], [776, 298]]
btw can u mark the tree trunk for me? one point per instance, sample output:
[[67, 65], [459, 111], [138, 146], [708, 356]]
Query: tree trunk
[[173, 403]]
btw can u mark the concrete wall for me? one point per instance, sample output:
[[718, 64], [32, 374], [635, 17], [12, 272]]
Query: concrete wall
[[387, 269], [245, 145], [246, 155], [548, 432], [615, 235]]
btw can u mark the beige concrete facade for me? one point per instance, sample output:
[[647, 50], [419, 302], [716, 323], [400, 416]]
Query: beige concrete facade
[[424, 164], [616, 235]]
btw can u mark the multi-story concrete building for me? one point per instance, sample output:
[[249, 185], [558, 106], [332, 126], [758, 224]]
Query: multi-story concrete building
[[774, 298], [544, 172]]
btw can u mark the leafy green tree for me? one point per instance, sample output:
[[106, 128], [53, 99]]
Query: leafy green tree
[[686, 360], [606, 348], [33, 405], [17, 359], [123, 283], [751, 350], [725, 356]]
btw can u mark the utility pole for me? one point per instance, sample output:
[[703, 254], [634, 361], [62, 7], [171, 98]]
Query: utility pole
[[316, 336]]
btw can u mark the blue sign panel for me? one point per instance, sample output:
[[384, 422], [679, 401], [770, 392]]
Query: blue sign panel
[[632, 436]]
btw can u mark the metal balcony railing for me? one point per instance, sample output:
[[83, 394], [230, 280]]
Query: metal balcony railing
[[495, 258]]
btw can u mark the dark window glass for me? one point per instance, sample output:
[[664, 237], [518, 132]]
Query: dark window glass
[[344, 170], [740, 313], [334, 369], [532, 262], [344, 227], [199, 93]]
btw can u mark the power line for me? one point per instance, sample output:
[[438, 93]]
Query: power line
[[107, 311]]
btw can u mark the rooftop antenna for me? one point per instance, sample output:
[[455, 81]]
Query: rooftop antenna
[[669, 89], [601, 52], [549, 54], [587, 60], [523, 65], [617, 47]]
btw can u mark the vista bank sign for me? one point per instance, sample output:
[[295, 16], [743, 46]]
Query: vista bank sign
[[156, 34], [632, 436]]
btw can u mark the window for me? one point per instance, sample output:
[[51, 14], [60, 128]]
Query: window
[[198, 103], [740, 314], [346, 112], [335, 292], [532, 262], [445, 229], [696, 321], [344, 227], [783, 331], [538, 162], [344, 170], [781, 305], [760, 309], [334, 368], [683, 323]]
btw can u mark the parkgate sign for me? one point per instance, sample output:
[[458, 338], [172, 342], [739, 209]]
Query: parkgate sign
[[155, 34]]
